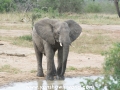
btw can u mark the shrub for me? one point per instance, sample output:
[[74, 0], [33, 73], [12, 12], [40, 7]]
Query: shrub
[[7, 5], [62, 5], [111, 80], [112, 60], [93, 7]]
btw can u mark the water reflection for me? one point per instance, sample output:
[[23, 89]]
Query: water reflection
[[50, 85], [67, 84]]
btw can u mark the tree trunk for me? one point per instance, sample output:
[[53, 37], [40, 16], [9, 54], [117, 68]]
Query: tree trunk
[[117, 7]]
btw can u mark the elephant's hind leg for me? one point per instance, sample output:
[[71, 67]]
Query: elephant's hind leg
[[39, 61]]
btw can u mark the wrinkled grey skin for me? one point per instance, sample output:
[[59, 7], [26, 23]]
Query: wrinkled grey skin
[[50, 35]]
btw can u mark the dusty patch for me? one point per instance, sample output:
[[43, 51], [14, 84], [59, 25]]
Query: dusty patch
[[84, 64]]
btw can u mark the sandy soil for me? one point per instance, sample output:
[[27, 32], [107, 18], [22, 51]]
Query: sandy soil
[[24, 58]]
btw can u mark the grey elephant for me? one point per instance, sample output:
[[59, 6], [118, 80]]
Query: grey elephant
[[50, 35]]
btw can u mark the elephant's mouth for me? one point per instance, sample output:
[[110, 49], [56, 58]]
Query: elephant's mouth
[[59, 42]]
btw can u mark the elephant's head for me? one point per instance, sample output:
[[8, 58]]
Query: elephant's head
[[54, 30]]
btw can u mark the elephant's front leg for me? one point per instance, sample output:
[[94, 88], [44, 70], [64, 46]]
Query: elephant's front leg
[[50, 61], [59, 68], [63, 62]]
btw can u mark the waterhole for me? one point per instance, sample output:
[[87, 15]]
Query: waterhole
[[67, 84]]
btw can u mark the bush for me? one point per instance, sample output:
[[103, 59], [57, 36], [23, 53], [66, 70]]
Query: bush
[[62, 5], [112, 61], [92, 7], [111, 80], [7, 5], [99, 6]]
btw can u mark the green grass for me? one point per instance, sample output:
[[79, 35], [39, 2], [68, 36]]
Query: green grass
[[24, 41], [26, 37], [9, 69]]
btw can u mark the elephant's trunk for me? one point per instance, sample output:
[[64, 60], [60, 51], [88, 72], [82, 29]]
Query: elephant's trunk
[[65, 56]]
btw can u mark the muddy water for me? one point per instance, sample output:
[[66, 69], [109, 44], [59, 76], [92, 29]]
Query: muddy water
[[67, 84]]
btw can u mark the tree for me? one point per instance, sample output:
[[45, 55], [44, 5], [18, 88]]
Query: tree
[[117, 6], [62, 5]]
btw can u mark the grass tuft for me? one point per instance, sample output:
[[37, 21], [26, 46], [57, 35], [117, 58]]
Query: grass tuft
[[25, 41], [26, 37], [70, 68], [33, 71], [9, 69]]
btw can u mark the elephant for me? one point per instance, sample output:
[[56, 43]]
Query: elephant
[[49, 36]]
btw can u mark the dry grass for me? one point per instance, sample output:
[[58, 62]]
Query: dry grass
[[71, 68], [89, 18], [15, 26], [95, 41], [9, 69], [90, 41], [24, 41], [14, 17]]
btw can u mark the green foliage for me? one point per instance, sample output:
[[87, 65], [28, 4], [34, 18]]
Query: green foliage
[[111, 80], [104, 83], [62, 5], [93, 8], [112, 60], [99, 6], [7, 5], [70, 6]]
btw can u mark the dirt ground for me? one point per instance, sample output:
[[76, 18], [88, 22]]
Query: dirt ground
[[24, 59]]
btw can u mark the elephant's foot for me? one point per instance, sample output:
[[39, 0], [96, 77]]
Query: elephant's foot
[[54, 73], [50, 77], [60, 77], [40, 74]]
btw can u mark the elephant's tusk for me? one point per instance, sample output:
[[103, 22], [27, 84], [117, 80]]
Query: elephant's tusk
[[61, 44], [72, 46]]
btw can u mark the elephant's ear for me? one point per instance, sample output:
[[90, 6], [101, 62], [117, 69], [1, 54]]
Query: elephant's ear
[[75, 29], [44, 29]]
